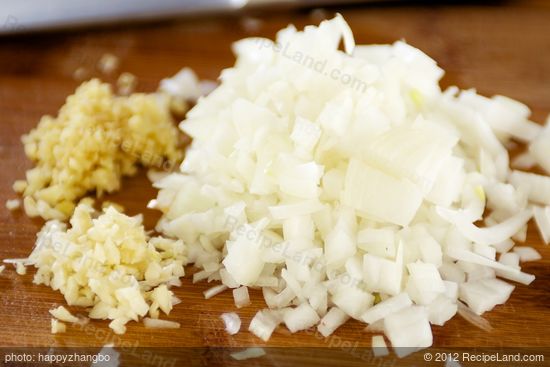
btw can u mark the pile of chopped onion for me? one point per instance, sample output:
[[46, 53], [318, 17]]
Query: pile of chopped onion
[[108, 263], [385, 200]]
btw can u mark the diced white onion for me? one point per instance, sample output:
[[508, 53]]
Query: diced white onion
[[509, 259], [527, 253], [241, 297], [300, 318], [483, 295], [441, 310], [232, 322], [331, 321], [385, 201], [469, 315], [379, 195], [542, 219], [211, 292], [264, 323], [379, 348], [160, 324], [248, 353], [539, 149], [408, 330], [536, 186], [488, 235], [386, 307]]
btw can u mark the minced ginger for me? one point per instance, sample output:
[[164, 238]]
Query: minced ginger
[[109, 264], [96, 138]]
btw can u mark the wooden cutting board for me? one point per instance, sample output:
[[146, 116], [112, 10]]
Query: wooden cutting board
[[496, 49]]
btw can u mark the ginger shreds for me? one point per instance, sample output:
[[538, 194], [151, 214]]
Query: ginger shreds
[[96, 139]]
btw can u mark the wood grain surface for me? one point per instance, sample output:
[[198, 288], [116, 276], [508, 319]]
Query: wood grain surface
[[496, 49]]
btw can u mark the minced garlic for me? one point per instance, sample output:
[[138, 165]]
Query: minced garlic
[[108, 203], [20, 268], [58, 327], [13, 204], [19, 186], [62, 314], [109, 264], [126, 83], [96, 139], [108, 63]]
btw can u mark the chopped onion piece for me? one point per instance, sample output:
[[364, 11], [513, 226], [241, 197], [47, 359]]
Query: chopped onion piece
[[441, 310], [510, 259], [424, 283], [542, 219], [300, 318], [379, 195], [334, 318], [483, 295], [451, 290], [536, 186], [382, 275], [386, 307], [201, 275], [274, 300], [452, 272], [184, 84], [450, 362], [469, 315], [524, 161], [211, 292], [485, 251], [488, 235], [175, 301], [107, 350], [248, 353], [539, 149], [377, 327], [408, 330], [527, 253], [468, 256], [504, 246], [232, 322], [379, 242], [227, 279], [291, 210], [241, 297], [160, 324], [347, 35], [240, 250], [264, 323], [352, 300], [515, 275], [266, 282], [379, 348]]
